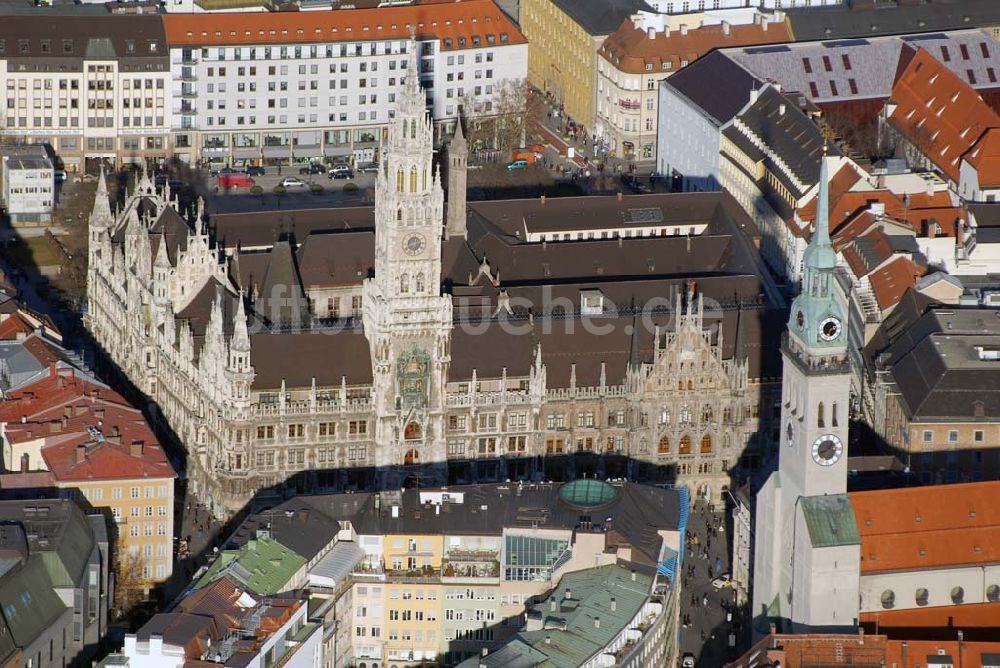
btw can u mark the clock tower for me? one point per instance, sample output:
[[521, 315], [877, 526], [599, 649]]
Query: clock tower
[[407, 320], [807, 493]]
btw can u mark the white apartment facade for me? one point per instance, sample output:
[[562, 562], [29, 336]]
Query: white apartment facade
[[303, 86], [94, 88], [28, 185]]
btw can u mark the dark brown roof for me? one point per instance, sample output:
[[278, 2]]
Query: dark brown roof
[[336, 258], [297, 357], [140, 40], [252, 230]]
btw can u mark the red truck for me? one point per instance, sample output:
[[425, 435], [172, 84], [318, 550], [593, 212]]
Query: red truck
[[234, 180]]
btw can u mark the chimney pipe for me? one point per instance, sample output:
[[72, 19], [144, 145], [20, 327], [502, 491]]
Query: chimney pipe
[[781, 109], [614, 604], [568, 595], [81, 454], [726, 28], [684, 29], [633, 575], [651, 33], [597, 622]]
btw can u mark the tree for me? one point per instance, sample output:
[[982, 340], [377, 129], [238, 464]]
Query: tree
[[505, 119], [130, 586]]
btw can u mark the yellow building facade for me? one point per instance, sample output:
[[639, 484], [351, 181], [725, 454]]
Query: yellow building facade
[[562, 58], [143, 510]]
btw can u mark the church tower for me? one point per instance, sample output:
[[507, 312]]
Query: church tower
[[806, 556], [458, 170], [406, 318]]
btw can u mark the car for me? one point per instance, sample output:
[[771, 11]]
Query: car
[[255, 171], [340, 172], [222, 171], [234, 180], [367, 167], [517, 164], [59, 175], [293, 182], [687, 661], [312, 168], [722, 581]]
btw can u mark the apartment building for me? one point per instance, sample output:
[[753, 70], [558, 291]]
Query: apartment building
[[225, 625], [96, 88], [28, 185], [69, 432], [639, 55], [287, 87], [437, 575]]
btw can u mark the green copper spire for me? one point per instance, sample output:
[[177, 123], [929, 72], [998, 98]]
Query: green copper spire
[[816, 317]]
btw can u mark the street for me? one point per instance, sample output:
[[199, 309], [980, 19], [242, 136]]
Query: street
[[704, 630]]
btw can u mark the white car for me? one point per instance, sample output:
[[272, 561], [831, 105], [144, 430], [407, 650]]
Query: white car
[[293, 182], [722, 581]]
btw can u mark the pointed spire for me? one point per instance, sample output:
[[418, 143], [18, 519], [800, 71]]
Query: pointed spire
[[740, 345], [459, 137], [822, 236], [101, 215], [412, 95], [199, 216], [634, 354], [241, 336]]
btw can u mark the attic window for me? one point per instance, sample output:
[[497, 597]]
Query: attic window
[[649, 67]]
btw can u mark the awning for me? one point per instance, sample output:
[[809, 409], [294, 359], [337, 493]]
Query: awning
[[276, 151], [329, 150], [247, 153]]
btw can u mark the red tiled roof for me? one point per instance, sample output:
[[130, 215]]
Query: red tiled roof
[[985, 157], [968, 616], [928, 527], [453, 21], [914, 653], [69, 413], [891, 281], [938, 112], [630, 49]]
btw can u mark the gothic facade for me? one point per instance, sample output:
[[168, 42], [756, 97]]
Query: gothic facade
[[486, 340]]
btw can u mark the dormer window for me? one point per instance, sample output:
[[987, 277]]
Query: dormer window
[[591, 302]]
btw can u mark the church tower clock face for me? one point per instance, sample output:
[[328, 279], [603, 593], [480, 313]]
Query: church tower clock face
[[414, 244], [827, 450], [829, 329]]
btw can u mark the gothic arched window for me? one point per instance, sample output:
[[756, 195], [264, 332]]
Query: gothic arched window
[[663, 447], [685, 445], [420, 284], [404, 284], [399, 180], [413, 129], [399, 214], [413, 179], [685, 415], [706, 414], [706, 443], [819, 416]]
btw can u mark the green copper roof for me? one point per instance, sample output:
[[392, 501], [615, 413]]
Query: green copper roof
[[592, 590], [264, 566], [830, 520], [815, 308], [587, 493]]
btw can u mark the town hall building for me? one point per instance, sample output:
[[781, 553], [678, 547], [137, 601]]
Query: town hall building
[[431, 340]]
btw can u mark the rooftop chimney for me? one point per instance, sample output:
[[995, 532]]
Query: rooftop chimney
[[651, 32], [763, 23], [633, 575], [81, 454], [781, 109], [597, 622], [553, 606], [726, 28], [684, 29], [568, 595], [614, 604], [548, 640]]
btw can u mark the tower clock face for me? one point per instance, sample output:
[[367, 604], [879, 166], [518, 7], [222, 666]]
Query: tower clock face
[[830, 329], [827, 450], [414, 244]]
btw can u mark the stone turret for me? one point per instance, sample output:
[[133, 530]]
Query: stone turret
[[458, 159]]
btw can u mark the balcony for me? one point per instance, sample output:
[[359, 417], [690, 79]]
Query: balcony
[[630, 105], [462, 569], [188, 93]]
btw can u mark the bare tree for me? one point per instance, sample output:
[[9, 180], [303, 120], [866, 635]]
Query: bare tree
[[503, 120], [130, 586]]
